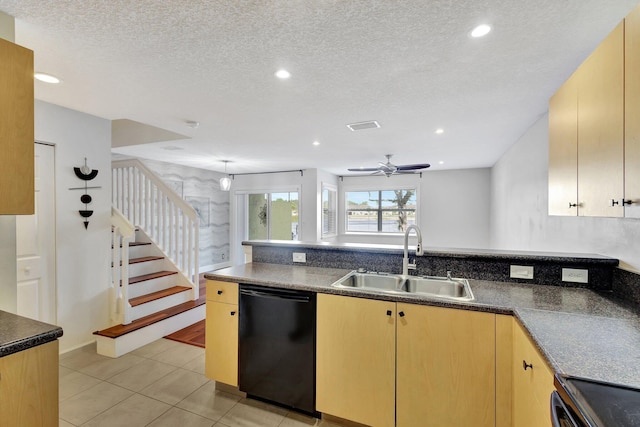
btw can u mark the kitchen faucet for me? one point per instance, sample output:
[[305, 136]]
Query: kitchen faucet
[[405, 261]]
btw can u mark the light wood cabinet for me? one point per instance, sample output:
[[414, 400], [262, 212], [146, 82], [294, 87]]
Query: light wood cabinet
[[29, 387], [632, 114], [16, 130], [435, 367], [601, 128], [587, 151], [221, 339], [445, 367], [356, 359], [563, 150], [532, 383]]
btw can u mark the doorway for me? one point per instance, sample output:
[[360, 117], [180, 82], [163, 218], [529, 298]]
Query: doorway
[[36, 244]]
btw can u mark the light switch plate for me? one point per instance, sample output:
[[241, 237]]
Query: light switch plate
[[521, 272], [299, 257], [576, 275]]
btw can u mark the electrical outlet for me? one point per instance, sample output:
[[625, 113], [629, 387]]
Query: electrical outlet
[[299, 257], [575, 275], [521, 272]]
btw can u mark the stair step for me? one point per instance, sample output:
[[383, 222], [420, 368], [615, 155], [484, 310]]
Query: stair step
[[157, 295], [138, 243], [145, 259], [119, 330], [142, 259], [138, 279]]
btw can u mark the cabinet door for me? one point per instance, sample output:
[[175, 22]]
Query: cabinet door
[[632, 113], [563, 150], [355, 362], [221, 343], [29, 387], [532, 386], [601, 128], [446, 367], [16, 130], [219, 291]]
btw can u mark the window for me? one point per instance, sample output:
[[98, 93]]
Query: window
[[380, 211], [329, 210], [273, 216]]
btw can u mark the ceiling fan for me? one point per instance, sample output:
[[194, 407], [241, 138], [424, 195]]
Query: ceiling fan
[[389, 168]]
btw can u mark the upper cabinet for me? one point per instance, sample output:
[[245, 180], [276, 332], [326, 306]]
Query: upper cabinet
[[593, 158], [632, 114], [563, 149], [16, 130], [601, 128]]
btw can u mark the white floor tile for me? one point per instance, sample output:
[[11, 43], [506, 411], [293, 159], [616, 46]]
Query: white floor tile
[[89, 403], [208, 402], [136, 411], [175, 386], [179, 418]]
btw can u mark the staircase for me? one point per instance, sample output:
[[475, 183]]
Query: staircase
[[155, 288]]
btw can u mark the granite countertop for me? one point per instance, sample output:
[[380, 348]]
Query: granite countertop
[[579, 331], [19, 333]]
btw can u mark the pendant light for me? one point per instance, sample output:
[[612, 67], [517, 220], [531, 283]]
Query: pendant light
[[225, 182]]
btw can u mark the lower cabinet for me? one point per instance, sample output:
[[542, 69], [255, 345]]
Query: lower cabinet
[[356, 359], [445, 367], [29, 387], [532, 383], [379, 361], [221, 340]]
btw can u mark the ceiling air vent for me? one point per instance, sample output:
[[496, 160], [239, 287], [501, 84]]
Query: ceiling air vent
[[363, 125]]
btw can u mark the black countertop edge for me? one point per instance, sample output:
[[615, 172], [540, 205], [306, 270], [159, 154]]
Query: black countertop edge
[[30, 342], [18, 333], [486, 254]]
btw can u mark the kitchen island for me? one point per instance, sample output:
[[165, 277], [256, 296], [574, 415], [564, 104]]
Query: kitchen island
[[28, 372]]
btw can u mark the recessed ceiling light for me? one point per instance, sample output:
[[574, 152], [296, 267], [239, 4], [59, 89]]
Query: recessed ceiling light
[[316, 143], [193, 124], [47, 78], [283, 74], [439, 131], [480, 30], [441, 162]]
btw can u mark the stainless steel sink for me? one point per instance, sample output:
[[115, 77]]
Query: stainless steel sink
[[443, 287], [375, 281], [438, 287]]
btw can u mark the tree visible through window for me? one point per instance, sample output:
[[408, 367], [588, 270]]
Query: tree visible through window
[[273, 216], [380, 211]]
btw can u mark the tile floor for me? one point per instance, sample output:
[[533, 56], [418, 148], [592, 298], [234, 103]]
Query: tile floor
[[160, 384]]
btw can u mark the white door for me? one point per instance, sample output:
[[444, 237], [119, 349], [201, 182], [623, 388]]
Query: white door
[[36, 244]]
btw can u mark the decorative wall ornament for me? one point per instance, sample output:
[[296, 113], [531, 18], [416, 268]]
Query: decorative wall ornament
[[86, 174]]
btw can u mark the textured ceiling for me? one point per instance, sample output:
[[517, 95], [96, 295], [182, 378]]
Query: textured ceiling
[[408, 64]]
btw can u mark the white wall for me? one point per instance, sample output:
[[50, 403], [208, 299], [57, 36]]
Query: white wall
[[519, 206], [453, 207], [83, 256]]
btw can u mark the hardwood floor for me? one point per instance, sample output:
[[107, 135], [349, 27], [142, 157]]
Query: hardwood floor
[[193, 334]]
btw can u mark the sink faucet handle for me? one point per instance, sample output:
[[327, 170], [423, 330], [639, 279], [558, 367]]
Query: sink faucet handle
[[419, 251], [449, 275]]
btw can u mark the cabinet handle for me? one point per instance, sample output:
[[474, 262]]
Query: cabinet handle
[[219, 292], [401, 314], [573, 205], [389, 312], [614, 202], [627, 202], [526, 365], [233, 313]]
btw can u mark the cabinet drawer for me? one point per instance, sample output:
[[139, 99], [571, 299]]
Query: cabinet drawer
[[226, 292]]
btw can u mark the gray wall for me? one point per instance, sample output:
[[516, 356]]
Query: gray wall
[[519, 206], [201, 189]]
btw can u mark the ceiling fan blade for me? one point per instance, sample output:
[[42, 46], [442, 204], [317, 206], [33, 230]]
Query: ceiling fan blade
[[363, 170], [413, 167]]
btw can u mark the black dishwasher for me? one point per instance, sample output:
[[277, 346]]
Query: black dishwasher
[[276, 359]]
